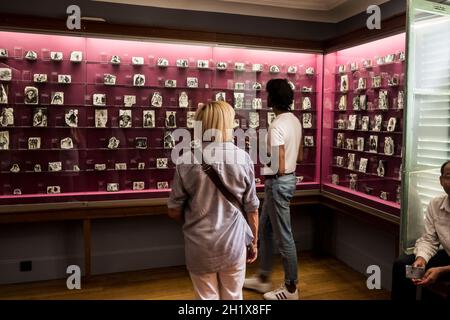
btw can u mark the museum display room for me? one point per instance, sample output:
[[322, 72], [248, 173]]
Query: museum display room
[[88, 124]]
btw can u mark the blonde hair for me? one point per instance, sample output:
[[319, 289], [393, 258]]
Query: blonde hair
[[217, 115]]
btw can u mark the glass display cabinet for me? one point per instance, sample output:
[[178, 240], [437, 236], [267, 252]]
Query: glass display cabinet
[[363, 103], [92, 119], [427, 122]]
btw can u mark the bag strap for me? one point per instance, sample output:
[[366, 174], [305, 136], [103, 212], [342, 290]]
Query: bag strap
[[214, 176]]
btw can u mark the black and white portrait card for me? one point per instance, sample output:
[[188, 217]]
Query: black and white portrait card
[[138, 185], [182, 63], [169, 140], [55, 166], [31, 55], [352, 122], [360, 144], [307, 120], [238, 100], [157, 100], [4, 140], [383, 103], [40, 117], [7, 117], [344, 83], [378, 122], [270, 117], [340, 140], [141, 142], [113, 143], [381, 168], [202, 64], [391, 124], [171, 119], [365, 121], [309, 141], [112, 187], [373, 144], [125, 120], [388, 146], [137, 61], [162, 185], [363, 164], [34, 143], [342, 106], [162, 163], [71, 117], [64, 78], [253, 121], [67, 143], [99, 99], [162, 62], [3, 94], [57, 98], [76, 56], [257, 103], [115, 60], [351, 161], [5, 74], [190, 118], [129, 100], [139, 80], [31, 95], [40, 77], [221, 96], [192, 82], [349, 144], [183, 100], [306, 103], [56, 56], [148, 118], [101, 118], [109, 79]]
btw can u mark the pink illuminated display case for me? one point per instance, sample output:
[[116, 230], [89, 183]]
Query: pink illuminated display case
[[363, 123], [90, 119]]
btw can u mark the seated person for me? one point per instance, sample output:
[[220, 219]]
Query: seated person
[[426, 251]]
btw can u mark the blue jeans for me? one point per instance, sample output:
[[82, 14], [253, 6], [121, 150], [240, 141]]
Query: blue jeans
[[275, 220]]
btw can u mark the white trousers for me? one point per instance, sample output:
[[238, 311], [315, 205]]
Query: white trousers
[[223, 285]]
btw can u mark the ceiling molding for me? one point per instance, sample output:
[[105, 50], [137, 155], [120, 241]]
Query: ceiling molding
[[329, 11]]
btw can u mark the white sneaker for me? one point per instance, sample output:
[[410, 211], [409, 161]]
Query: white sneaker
[[255, 283], [281, 294]]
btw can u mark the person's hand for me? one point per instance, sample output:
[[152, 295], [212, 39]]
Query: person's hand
[[252, 253], [430, 276], [419, 263]]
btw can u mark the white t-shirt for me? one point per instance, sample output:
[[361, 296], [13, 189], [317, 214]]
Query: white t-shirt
[[285, 130]]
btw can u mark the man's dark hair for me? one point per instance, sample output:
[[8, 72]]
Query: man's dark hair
[[443, 166], [280, 94]]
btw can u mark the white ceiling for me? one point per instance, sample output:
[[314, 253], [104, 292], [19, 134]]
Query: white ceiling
[[309, 10]]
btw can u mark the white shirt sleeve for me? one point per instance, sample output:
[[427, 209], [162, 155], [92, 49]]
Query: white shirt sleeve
[[428, 244], [276, 137]]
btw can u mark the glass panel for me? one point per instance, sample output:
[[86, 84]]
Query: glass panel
[[428, 114]]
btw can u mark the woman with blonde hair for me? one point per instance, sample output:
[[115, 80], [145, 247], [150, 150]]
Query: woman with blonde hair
[[212, 200]]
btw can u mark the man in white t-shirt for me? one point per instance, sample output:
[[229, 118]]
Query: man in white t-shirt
[[285, 147]]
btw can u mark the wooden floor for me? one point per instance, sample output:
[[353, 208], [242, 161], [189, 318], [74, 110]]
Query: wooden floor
[[320, 278]]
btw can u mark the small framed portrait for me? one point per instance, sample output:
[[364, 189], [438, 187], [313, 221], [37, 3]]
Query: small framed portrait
[[183, 100], [141, 166], [299, 179], [37, 168], [112, 187], [162, 185], [383, 103], [360, 144], [113, 143], [256, 103], [306, 103], [125, 120], [140, 142], [162, 62], [7, 117], [4, 140], [17, 192], [342, 68], [367, 63], [40, 77], [388, 146], [384, 195], [362, 102], [239, 66], [120, 166], [190, 119], [31, 95], [256, 86], [309, 141], [239, 100], [15, 168], [310, 71], [76, 168], [139, 80], [402, 56], [270, 117], [53, 189], [221, 96], [40, 117], [378, 122], [292, 70], [353, 66], [64, 78], [202, 64], [391, 124], [257, 67], [162, 163], [342, 105], [373, 144], [351, 161], [137, 61], [57, 97], [361, 84], [129, 100], [99, 99], [376, 81], [109, 79], [381, 168], [365, 123], [34, 143], [67, 143], [307, 120], [71, 117], [253, 121], [169, 140], [221, 65], [380, 61], [274, 69], [341, 124], [182, 63], [170, 83], [355, 103], [3, 94], [5, 74], [115, 60], [171, 120], [101, 118], [55, 166], [340, 140], [148, 118], [138, 185], [340, 161], [76, 56], [31, 55], [192, 82], [363, 164], [157, 100], [352, 122], [389, 58], [56, 56], [239, 86], [400, 99], [344, 83], [3, 53], [335, 179], [353, 181], [349, 144]]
